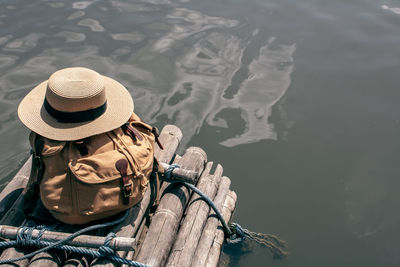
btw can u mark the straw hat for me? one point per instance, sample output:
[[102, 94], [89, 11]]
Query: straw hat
[[75, 103]]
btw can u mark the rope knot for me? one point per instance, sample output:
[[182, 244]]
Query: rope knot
[[169, 170], [24, 236], [272, 242], [238, 234], [105, 249]]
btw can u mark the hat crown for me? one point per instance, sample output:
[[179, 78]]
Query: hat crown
[[75, 89], [75, 103]]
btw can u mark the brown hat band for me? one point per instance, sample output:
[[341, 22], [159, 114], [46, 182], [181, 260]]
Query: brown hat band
[[77, 116]]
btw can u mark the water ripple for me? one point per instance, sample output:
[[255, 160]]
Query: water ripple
[[56, 5], [24, 44], [131, 37], [71, 36], [93, 24], [133, 7], [268, 81], [7, 60], [82, 4], [198, 22], [76, 14], [395, 10]]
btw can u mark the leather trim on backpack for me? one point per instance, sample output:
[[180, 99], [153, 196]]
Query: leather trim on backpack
[[32, 189]]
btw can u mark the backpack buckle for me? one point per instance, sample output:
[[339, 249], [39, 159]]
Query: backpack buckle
[[122, 167], [127, 190], [37, 154], [38, 161]]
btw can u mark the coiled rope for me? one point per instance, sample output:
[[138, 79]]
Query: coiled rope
[[234, 233], [24, 238]]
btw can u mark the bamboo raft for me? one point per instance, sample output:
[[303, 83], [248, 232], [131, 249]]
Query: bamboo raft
[[180, 232]]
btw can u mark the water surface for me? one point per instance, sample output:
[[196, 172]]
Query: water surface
[[298, 100]]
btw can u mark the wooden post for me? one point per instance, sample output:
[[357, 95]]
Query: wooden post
[[195, 219], [165, 221], [170, 138], [208, 234], [215, 250]]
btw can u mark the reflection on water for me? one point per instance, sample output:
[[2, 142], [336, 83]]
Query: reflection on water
[[23, 44], [82, 4], [130, 7], [94, 25], [76, 15], [71, 36], [182, 72], [236, 76], [395, 10], [267, 81], [207, 69], [196, 22]]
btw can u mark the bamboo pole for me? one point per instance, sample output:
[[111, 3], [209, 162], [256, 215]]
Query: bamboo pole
[[170, 138], [14, 188], [165, 221], [90, 241], [215, 250], [75, 260], [182, 175], [209, 230], [14, 253], [14, 214], [195, 219], [50, 258]]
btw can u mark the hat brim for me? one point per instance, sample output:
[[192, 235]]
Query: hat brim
[[119, 109]]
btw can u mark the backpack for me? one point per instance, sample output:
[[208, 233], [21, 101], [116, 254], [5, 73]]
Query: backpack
[[97, 177]]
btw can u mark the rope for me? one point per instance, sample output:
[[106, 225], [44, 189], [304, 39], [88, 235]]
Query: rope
[[234, 232], [102, 252], [272, 242], [169, 170], [225, 226], [24, 238]]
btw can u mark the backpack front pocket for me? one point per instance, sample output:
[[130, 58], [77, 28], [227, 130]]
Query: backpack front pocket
[[98, 183], [55, 189]]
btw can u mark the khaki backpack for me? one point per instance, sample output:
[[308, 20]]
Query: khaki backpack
[[97, 177]]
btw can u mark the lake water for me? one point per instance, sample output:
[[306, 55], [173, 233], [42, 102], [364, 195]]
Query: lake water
[[298, 100]]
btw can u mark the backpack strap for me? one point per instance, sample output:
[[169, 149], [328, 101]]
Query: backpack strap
[[156, 134], [37, 155], [123, 147], [122, 167], [36, 175], [132, 132], [155, 184], [82, 146]]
